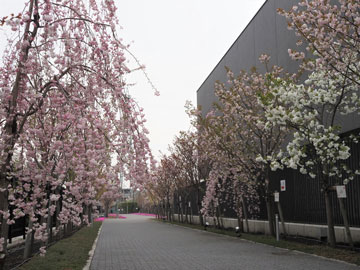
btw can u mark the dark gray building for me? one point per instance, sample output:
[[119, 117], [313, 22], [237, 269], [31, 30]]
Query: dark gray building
[[267, 33]]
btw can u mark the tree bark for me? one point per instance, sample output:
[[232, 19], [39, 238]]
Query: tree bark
[[28, 245], [240, 224], [11, 130], [191, 213], [89, 209], [270, 214], [218, 217], [330, 220], [168, 209], [181, 212], [346, 223], [199, 206], [49, 225], [107, 209], [269, 202], [245, 214], [281, 218]]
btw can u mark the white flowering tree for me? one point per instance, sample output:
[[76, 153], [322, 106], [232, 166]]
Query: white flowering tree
[[311, 110]]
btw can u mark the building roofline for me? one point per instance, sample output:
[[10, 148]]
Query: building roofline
[[232, 45]]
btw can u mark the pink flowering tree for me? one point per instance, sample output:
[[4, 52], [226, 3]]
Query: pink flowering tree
[[243, 150], [109, 195], [161, 185], [222, 186], [330, 31], [189, 156], [66, 116], [178, 173]]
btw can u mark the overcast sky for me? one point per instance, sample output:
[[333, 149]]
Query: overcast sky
[[179, 42]]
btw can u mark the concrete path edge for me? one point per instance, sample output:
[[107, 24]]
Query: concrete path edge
[[91, 252]]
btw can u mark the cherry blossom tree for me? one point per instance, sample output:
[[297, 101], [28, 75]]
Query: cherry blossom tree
[[186, 151], [109, 196], [223, 188], [311, 110], [330, 31], [66, 115], [161, 185], [242, 149], [178, 173]]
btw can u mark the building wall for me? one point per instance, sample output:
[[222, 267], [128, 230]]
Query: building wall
[[266, 33]]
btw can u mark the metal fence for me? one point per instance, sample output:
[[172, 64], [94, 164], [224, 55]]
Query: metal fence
[[301, 202]]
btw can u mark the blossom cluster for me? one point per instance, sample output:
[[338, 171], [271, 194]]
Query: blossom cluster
[[69, 127]]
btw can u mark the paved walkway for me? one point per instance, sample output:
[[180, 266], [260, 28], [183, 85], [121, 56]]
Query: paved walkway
[[141, 244]]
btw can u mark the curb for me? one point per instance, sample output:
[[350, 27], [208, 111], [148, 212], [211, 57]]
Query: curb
[[92, 251]]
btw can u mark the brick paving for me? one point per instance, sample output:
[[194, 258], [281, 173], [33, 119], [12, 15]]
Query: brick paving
[[138, 243]]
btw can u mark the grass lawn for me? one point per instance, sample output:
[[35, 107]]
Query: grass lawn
[[68, 254], [320, 250]]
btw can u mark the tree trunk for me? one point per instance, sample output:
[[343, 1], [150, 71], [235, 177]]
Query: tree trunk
[[199, 207], [4, 203], [159, 211], [10, 131], [219, 219], [269, 198], [270, 214], [281, 218], [173, 209], [245, 214], [346, 223], [107, 209], [57, 211], [191, 213], [330, 220], [240, 224], [49, 224], [181, 213], [28, 245], [167, 209], [89, 209], [5, 231]]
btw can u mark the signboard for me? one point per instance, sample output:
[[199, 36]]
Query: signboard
[[277, 196], [341, 191], [282, 185]]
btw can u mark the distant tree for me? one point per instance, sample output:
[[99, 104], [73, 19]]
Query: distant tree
[[189, 156]]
